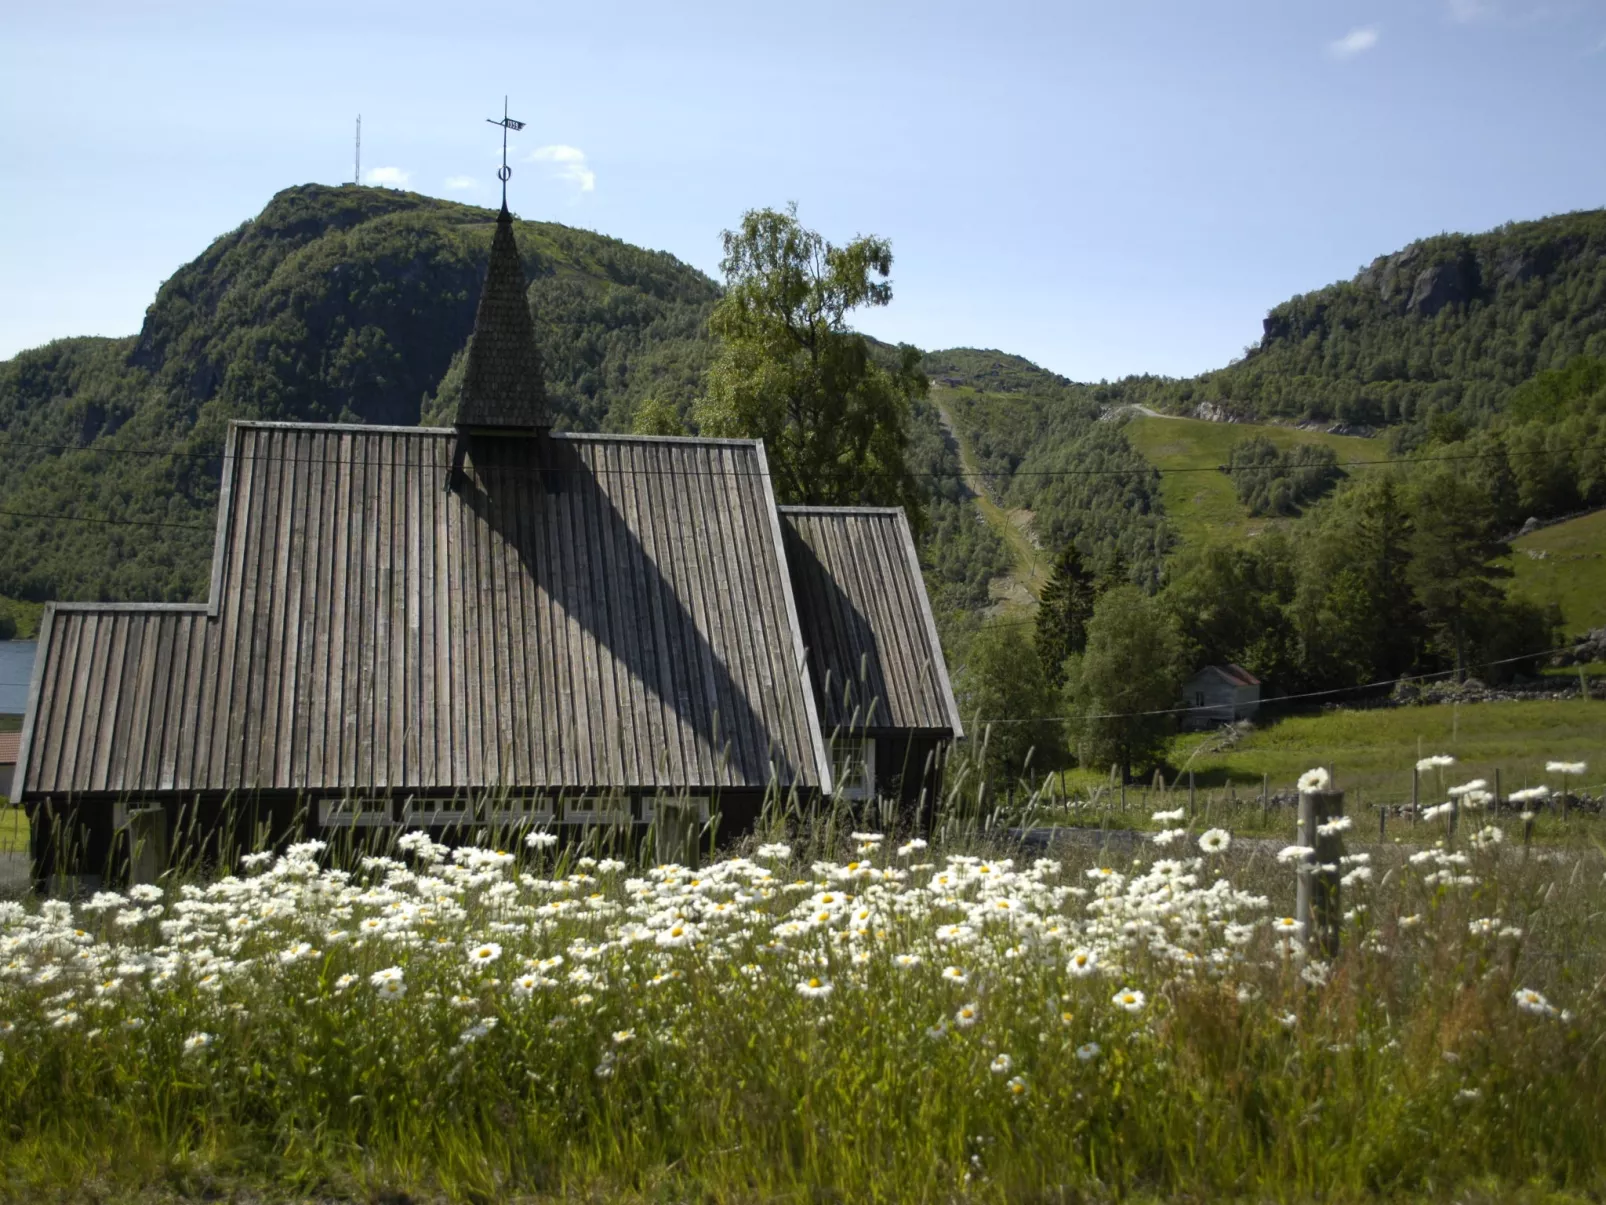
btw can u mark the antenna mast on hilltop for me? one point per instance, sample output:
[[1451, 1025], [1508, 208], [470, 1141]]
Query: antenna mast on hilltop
[[507, 123], [357, 179]]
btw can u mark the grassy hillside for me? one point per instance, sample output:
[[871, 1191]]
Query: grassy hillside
[[1565, 564], [1203, 505]]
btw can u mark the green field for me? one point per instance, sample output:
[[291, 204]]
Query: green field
[[1571, 572], [1204, 505], [1371, 753]]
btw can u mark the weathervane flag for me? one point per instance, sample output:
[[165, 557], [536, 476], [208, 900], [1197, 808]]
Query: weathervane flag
[[507, 123]]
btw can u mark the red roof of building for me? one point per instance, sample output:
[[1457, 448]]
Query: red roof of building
[[10, 743], [1237, 674]]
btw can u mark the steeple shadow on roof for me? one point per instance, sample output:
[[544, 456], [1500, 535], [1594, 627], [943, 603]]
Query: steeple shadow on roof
[[611, 587]]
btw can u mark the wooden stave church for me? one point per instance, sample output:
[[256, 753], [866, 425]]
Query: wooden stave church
[[440, 626]]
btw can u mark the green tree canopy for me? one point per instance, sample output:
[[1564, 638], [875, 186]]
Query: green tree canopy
[[789, 371], [1133, 665], [1008, 706], [657, 417]]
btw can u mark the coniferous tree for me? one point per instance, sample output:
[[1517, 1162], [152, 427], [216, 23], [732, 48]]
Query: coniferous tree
[[1063, 613], [1455, 553]]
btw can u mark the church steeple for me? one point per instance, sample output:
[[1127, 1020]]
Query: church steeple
[[503, 385]]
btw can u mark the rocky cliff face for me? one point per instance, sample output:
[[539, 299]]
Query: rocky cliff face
[[1449, 272]]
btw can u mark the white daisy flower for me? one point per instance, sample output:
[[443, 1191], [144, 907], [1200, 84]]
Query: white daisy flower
[[967, 1016], [1531, 1001], [1215, 841], [197, 1042], [1088, 1051], [1315, 780], [1566, 767], [484, 954], [1129, 999], [1083, 962], [955, 975], [1001, 1064], [814, 989]]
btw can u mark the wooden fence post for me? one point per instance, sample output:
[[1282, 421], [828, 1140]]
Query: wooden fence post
[[1265, 800], [1192, 803], [1317, 905]]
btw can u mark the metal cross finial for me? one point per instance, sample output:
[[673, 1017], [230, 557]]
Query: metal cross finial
[[507, 123]]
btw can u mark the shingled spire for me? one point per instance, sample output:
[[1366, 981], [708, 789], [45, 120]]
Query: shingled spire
[[503, 387]]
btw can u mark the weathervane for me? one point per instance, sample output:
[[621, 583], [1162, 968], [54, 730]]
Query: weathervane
[[507, 123]]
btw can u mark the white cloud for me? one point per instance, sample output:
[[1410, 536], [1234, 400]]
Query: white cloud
[[568, 163], [1356, 41], [459, 183], [1467, 11], [388, 177]]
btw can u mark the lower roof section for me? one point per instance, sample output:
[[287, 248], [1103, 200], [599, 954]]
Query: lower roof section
[[874, 656], [570, 612]]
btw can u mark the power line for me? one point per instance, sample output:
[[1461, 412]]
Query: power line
[[1309, 694], [959, 475], [30, 514]]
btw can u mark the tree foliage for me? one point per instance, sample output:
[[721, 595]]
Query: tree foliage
[[1277, 481], [1133, 664], [1063, 613], [1041, 447], [1450, 326], [1009, 708], [789, 371]]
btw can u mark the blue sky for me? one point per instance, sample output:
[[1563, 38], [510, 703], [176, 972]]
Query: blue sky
[[1104, 188]]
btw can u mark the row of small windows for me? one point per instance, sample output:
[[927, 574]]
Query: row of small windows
[[602, 811], [853, 761]]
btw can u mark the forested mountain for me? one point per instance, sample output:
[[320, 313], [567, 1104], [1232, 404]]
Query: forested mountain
[[1432, 339], [1043, 443], [347, 303], [333, 304]]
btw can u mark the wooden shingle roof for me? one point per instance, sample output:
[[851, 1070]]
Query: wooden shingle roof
[[867, 624], [580, 611]]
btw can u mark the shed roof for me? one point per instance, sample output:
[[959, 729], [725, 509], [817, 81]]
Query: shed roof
[[1235, 675], [579, 611], [867, 624]]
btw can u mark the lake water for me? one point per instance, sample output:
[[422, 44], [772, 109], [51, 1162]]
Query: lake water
[[16, 670]]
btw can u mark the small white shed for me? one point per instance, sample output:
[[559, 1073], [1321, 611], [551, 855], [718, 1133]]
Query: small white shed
[[1220, 694]]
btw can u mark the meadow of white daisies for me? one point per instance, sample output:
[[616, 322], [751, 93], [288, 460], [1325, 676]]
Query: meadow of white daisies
[[847, 1013]]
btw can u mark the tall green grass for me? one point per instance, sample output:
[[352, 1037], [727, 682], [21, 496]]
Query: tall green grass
[[745, 1031]]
